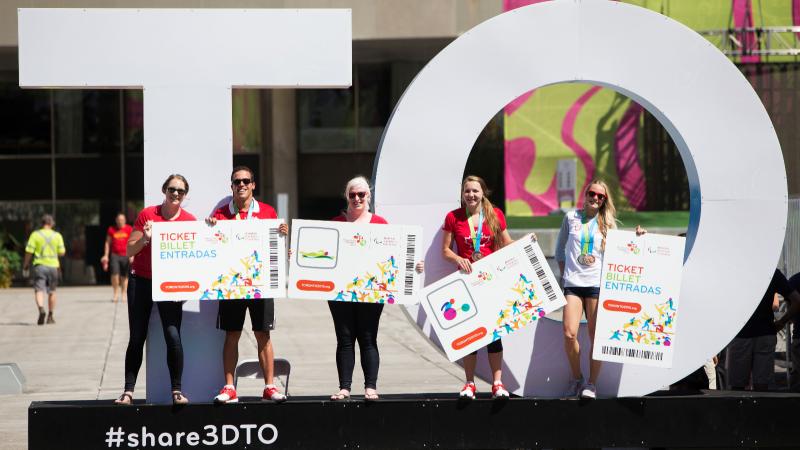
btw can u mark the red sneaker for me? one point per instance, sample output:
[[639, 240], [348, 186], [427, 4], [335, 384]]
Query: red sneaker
[[271, 393], [468, 391], [499, 391], [227, 395]]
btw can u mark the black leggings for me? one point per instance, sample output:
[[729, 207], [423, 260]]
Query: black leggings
[[356, 321], [140, 303]]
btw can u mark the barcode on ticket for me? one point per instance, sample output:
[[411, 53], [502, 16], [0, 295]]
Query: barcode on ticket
[[411, 245], [273, 258], [537, 266], [633, 353]]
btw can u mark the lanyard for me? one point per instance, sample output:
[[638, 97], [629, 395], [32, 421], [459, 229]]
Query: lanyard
[[587, 235], [476, 238], [249, 210]]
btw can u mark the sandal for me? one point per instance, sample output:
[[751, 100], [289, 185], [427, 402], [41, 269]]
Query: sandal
[[343, 394], [178, 398], [125, 399], [370, 395]]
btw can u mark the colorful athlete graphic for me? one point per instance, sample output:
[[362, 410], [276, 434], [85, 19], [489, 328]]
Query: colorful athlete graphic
[[241, 282], [521, 309], [320, 254], [380, 287], [450, 310], [654, 327]]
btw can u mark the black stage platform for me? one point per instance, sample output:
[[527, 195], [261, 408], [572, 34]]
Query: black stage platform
[[709, 419]]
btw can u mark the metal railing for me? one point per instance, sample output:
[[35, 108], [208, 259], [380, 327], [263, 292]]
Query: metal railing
[[771, 41]]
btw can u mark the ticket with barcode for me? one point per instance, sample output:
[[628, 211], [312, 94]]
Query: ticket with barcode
[[230, 260], [639, 296], [354, 262], [506, 291]]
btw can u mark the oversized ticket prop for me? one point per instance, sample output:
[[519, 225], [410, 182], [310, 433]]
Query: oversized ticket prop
[[350, 262], [638, 305], [506, 291], [230, 260]]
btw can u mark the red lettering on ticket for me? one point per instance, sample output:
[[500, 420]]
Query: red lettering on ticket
[[313, 285], [469, 338], [180, 286], [618, 306]]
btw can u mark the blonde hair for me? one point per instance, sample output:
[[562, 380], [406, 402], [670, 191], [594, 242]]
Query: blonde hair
[[607, 215], [488, 208], [359, 181]]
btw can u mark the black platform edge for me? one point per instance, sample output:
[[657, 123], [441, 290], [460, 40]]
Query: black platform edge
[[709, 419]]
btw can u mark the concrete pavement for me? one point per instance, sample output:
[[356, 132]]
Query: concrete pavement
[[81, 357]]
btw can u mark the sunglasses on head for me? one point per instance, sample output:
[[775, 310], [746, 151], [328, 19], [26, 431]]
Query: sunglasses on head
[[173, 190], [360, 195], [239, 181], [596, 194]]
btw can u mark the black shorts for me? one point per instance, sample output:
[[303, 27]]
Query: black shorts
[[583, 292], [493, 347], [231, 314], [118, 265]]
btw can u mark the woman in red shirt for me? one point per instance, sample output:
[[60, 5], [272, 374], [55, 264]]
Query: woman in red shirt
[[358, 321], [478, 229], [140, 293]]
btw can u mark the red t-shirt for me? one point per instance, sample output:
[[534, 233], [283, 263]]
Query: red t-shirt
[[261, 211], [119, 238], [374, 219], [456, 222], [142, 264]]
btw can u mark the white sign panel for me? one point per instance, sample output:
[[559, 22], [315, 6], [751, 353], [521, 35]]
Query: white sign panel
[[506, 291], [230, 260], [365, 263], [638, 305]]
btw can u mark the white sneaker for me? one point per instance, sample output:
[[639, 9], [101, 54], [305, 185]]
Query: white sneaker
[[227, 395], [468, 391], [574, 387], [589, 391], [499, 391]]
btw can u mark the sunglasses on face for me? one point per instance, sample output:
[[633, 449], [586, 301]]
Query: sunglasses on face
[[173, 190], [352, 195], [239, 181], [596, 194]]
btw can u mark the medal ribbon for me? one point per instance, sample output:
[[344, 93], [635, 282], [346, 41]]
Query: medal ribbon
[[587, 236], [249, 210], [476, 237]]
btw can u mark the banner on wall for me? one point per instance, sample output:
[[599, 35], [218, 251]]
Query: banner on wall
[[349, 262], [230, 260], [506, 291], [638, 304]]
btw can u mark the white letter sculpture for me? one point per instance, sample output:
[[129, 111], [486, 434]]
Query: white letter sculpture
[[186, 62], [729, 147]]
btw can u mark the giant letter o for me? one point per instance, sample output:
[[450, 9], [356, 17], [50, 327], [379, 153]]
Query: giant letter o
[[729, 147]]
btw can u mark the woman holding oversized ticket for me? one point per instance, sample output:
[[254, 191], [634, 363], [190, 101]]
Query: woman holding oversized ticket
[[140, 297], [358, 321], [579, 252], [478, 229]]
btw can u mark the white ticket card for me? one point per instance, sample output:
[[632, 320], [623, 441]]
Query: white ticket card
[[230, 260], [506, 291], [350, 262], [638, 304]]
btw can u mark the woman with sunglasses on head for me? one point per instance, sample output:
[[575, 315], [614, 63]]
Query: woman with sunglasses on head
[[478, 229], [579, 253], [140, 297], [355, 321]]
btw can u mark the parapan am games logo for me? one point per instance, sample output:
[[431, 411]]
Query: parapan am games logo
[[631, 247]]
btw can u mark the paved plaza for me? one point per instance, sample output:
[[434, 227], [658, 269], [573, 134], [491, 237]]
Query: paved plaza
[[81, 357]]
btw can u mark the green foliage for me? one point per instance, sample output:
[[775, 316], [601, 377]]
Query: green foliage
[[10, 259]]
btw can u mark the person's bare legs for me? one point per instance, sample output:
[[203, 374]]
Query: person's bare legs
[[590, 307], [496, 365], [39, 297], [230, 354], [470, 361], [266, 356], [572, 320], [115, 287], [124, 290], [51, 302]]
